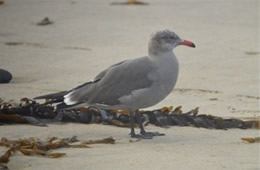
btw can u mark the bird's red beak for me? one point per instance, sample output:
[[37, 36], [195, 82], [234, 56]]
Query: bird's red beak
[[188, 43]]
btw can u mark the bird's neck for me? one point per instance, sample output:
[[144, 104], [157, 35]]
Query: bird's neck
[[164, 58], [153, 48], [162, 55]]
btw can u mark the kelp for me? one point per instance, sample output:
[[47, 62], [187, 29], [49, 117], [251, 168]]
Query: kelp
[[251, 140], [44, 148], [29, 111]]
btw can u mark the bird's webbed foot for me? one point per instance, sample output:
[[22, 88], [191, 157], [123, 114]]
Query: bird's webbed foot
[[141, 136], [152, 134]]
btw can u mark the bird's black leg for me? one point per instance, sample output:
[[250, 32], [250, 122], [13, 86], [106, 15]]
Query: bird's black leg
[[142, 131], [132, 122], [132, 133]]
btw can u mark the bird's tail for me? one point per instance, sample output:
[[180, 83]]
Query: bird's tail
[[66, 100], [59, 97]]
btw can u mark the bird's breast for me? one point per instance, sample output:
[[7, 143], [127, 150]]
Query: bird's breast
[[167, 71]]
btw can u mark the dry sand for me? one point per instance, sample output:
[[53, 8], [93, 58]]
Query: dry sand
[[221, 76], [182, 148]]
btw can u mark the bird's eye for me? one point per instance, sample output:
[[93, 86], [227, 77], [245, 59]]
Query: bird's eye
[[171, 37]]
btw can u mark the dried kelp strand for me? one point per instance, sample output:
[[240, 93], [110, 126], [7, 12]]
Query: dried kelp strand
[[109, 140], [251, 140], [5, 158], [36, 147]]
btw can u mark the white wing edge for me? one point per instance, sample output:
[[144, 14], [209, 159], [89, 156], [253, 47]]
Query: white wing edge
[[68, 100]]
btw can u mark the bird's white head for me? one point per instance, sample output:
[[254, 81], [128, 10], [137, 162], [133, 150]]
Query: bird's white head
[[166, 41]]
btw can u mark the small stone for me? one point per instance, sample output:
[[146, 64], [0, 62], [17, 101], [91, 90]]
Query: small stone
[[213, 99], [5, 76], [45, 21]]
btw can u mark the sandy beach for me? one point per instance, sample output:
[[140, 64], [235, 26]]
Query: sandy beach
[[221, 76]]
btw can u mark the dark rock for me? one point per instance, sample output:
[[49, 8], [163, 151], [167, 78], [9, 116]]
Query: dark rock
[[5, 76]]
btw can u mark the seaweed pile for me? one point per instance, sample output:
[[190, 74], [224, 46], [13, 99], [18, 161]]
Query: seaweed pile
[[29, 111], [43, 148]]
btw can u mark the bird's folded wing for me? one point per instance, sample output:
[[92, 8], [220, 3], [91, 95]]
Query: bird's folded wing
[[117, 81]]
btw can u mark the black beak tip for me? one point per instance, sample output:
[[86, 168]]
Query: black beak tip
[[193, 45]]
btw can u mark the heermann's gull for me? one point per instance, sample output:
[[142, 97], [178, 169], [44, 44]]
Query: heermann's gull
[[131, 84]]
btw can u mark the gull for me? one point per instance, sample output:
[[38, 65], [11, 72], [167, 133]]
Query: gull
[[131, 84]]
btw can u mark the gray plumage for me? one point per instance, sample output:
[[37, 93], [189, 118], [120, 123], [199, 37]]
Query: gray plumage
[[131, 84], [111, 84]]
